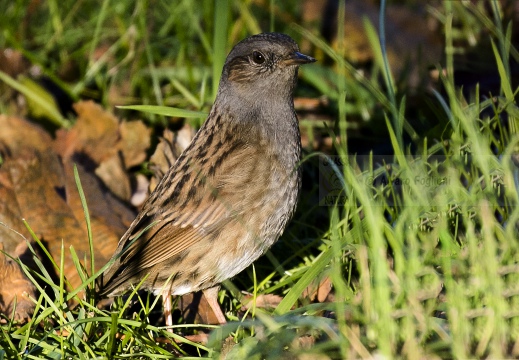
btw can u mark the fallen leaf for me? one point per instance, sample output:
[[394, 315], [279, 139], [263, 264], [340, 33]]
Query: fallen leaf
[[194, 308], [319, 289], [15, 290], [263, 301], [37, 183], [135, 141], [107, 146], [170, 146]]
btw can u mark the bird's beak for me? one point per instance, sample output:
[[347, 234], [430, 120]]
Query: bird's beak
[[298, 59]]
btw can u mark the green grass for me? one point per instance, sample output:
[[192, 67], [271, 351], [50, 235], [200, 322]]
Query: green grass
[[422, 252]]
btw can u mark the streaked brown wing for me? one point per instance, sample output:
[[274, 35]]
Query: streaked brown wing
[[222, 194]]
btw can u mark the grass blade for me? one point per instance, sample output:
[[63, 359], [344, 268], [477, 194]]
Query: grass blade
[[166, 111]]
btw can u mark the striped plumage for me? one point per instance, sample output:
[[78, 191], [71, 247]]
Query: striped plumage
[[230, 194]]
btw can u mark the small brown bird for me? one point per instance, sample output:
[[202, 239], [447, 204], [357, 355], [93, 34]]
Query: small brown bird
[[231, 193]]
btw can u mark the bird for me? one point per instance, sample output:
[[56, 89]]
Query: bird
[[231, 193]]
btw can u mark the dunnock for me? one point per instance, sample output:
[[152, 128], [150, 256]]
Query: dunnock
[[230, 194]]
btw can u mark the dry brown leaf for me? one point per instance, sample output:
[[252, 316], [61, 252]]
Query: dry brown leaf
[[113, 174], [15, 290], [95, 133], [319, 289], [108, 215], [110, 146], [42, 202], [14, 286], [170, 146], [37, 182], [135, 140], [194, 308], [10, 215], [263, 301], [18, 134], [133, 143]]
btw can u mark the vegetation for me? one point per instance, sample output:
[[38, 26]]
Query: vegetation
[[420, 243]]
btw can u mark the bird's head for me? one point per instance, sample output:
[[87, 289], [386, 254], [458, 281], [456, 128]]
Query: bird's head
[[263, 66]]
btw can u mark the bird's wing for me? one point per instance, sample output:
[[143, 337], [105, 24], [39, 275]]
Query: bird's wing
[[189, 209], [171, 237]]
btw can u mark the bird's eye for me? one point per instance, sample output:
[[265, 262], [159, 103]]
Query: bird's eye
[[258, 57]]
